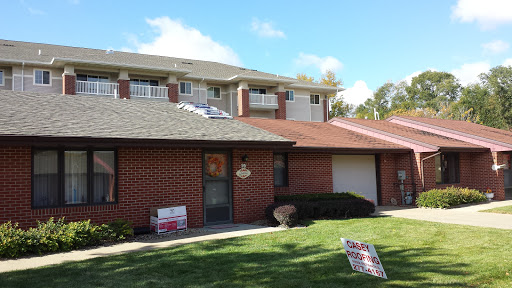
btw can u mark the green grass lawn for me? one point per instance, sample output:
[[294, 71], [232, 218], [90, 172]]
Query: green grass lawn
[[501, 210], [413, 253]]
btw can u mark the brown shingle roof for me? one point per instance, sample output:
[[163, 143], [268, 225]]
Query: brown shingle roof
[[412, 133], [321, 135], [467, 127]]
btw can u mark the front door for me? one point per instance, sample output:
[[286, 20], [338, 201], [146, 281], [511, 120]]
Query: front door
[[217, 198]]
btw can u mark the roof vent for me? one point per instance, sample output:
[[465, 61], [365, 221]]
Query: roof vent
[[39, 52], [8, 45], [243, 69], [188, 63]]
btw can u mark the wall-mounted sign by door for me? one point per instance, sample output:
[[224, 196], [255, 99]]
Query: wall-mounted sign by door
[[243, 172]]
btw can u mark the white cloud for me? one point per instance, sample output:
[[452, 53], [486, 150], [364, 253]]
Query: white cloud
[[265, 29], [495, 47], [357, 94], [489, 13], [32, 10], [323, 64], [508, 62], [178, 40], [468, 73], [409, 77]]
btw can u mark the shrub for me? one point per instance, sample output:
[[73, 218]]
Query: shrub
[[286, 215], [451, 196], [318, 197], [269, 214], [52, 236]]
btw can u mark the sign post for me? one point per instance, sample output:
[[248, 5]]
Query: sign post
[[363, 258]]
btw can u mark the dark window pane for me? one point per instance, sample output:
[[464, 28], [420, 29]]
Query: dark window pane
[[46, 77], [280, 170], [134, 81], [81, 77], [75, 177], [153, 82], [104, 177], [46, 180]]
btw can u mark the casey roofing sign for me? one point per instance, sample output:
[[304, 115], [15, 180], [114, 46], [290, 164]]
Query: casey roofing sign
[[363, 258]]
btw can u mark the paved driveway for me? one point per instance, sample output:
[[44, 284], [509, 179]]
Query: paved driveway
[[465, 215]]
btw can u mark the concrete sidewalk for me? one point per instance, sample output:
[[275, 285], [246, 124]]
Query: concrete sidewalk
[[230, 231], [465, 215]]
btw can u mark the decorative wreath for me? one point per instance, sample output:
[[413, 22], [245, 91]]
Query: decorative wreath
[[216, 164]]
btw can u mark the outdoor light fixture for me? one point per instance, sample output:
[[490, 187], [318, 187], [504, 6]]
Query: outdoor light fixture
[[245, 158]]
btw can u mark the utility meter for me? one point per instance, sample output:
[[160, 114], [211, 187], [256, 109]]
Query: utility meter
[[401, 174]]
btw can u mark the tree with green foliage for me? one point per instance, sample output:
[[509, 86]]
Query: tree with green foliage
[[433, 89], [498, 82]]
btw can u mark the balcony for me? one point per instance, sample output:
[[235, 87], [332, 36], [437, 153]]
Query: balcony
[[263, 102], [97, 88], [146, 91]]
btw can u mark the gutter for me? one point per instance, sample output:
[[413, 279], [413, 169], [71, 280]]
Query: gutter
[[128, 66]]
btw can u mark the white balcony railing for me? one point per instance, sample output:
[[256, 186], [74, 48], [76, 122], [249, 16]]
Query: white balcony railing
[[148, 91], [263, 99], [97, 88]]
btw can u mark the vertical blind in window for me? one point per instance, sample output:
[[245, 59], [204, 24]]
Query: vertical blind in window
[[104, 176], [75, 177], [45, 180]]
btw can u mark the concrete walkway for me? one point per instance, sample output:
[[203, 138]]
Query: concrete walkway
[[465, 215], [236, 230]]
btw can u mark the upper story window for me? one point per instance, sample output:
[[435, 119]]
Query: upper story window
[[63, 177], [213, 92], [143, 82], [280, 170], [314, 99], [91, 78], [186, 88], [42, 77], [447, 168], [2, 81], [257, 91], [290, 95]]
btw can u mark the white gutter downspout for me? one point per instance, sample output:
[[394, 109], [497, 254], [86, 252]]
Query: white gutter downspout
[[22, 74], [199, 93], [422, 175]]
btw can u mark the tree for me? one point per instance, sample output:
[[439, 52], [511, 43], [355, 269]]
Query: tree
[[433, 89], [339, 108], [329, 78], [498, 82], [303, 76]]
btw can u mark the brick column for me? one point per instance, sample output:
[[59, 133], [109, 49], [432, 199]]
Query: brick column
[[243, 103], [173, 92], [326, 110], [281, 101], [68, 84], [124, 89]]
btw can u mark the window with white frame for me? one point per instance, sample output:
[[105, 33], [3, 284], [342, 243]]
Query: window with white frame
[[213, 92], [91, 78], [186, 88], [314, 99], [257, 91], [2, 78], [42, 77], [143, 82], [290, 95]]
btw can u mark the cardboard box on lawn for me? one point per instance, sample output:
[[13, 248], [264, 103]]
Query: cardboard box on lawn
[[168, 219]]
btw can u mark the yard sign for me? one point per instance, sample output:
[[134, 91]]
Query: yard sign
[[363, 258]]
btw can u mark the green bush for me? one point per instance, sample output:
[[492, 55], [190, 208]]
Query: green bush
[[450, 196], [318, 197], [286, 215], [53, 236]]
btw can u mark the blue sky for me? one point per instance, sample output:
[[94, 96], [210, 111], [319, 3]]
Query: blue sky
[[367, 43]]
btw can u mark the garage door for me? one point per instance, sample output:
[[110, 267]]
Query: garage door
[[355, 173]]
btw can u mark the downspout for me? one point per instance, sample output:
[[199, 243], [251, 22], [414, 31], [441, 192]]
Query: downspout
[[422, 175], [199, 93], [412, 175], [22, 74]]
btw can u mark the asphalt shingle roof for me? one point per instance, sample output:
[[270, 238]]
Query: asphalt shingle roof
[[55, 115], [467, 127], [412, 133], [29, 52], [321, 135]]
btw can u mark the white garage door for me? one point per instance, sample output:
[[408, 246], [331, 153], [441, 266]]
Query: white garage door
[[355, 173]]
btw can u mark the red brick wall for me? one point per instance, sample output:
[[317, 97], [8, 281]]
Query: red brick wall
[[308, 173], [147, 178], [390, 164], [68, 84], [173, 92], [243, 103], [124, 89], [252, 194], [281, 101]]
